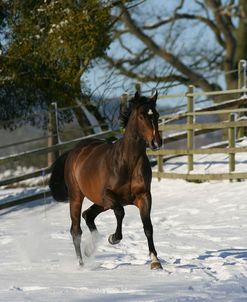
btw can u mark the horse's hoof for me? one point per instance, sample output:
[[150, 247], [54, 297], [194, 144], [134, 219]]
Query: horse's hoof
[[84, 215], [156, 265], [112, 240], [81, 263]]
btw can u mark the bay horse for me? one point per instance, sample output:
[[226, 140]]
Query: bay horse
[[111, 175]]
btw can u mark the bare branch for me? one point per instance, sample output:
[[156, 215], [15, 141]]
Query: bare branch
[[194, 77], [223, 26], [135, 61], [202, 19], [144, 77], [204, 7], [180, 6]]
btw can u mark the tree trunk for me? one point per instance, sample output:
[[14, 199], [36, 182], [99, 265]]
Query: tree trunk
[[241, 34], [80, 114]]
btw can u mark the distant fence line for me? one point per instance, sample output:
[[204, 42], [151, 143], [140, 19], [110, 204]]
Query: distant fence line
[[60, 146], [191, 129], [175, 116], [170, 96], [210, 93], [45, 137]]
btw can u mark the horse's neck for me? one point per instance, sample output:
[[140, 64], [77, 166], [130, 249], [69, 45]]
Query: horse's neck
[[133, 145]]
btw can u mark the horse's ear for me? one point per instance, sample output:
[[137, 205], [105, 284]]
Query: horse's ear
[[137, 95], [154, 97]]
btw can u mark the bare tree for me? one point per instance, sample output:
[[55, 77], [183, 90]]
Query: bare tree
[[181, 42]]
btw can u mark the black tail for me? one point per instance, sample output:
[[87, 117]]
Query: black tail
[[57, 184]]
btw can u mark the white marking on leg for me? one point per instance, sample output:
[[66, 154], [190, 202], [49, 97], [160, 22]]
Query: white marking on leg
[[153, 258], [155, 264]]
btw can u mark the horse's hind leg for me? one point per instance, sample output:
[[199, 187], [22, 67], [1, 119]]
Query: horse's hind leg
[[75, 214], [90, 214]]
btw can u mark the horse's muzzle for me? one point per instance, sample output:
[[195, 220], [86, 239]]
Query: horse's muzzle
[[155, 145]]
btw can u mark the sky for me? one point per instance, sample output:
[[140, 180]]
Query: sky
[[118, 84]]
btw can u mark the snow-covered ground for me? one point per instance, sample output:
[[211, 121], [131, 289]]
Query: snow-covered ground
[[204, 163], [200, 235]]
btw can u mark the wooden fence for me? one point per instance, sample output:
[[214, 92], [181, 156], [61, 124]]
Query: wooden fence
[[60, 146], [41, 172], [186, 131], [191, 128]]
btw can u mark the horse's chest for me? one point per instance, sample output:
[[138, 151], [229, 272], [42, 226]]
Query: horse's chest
[[129, 189], [129, 181]]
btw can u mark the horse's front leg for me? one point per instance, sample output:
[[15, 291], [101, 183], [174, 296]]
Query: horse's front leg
[[111, 201], [143, 202], [117, 236]]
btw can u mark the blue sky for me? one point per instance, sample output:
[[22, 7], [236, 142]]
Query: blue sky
[[202, 37], [97, 75]]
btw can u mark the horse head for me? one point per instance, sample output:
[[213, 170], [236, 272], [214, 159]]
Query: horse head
[[147, 119], [143, 111]]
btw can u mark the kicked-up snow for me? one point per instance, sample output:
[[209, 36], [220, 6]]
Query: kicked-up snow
[[200, 232]]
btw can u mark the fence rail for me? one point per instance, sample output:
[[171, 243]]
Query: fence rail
[[25, 199], [210, 93], [59, 146], [16, 179], [197, 151], [40, 172], [201, 177], [201, 126]]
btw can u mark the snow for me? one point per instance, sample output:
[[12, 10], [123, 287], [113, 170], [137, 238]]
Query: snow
[[199, 231], [212, 163]]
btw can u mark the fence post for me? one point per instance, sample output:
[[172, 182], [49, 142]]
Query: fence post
[[54, 104], [242, 66], [123, 102], [138, 87], [53, 137], [160, 166], [231, 138], [190, 132], [123, 107]]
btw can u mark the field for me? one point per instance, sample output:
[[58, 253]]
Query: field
[[200, 235]]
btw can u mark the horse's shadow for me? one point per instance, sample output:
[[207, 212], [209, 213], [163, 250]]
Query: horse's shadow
[[224, 253], [224, 257], [47, 202]]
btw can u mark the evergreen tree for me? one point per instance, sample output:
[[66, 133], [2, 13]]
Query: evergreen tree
[[46, 46]]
